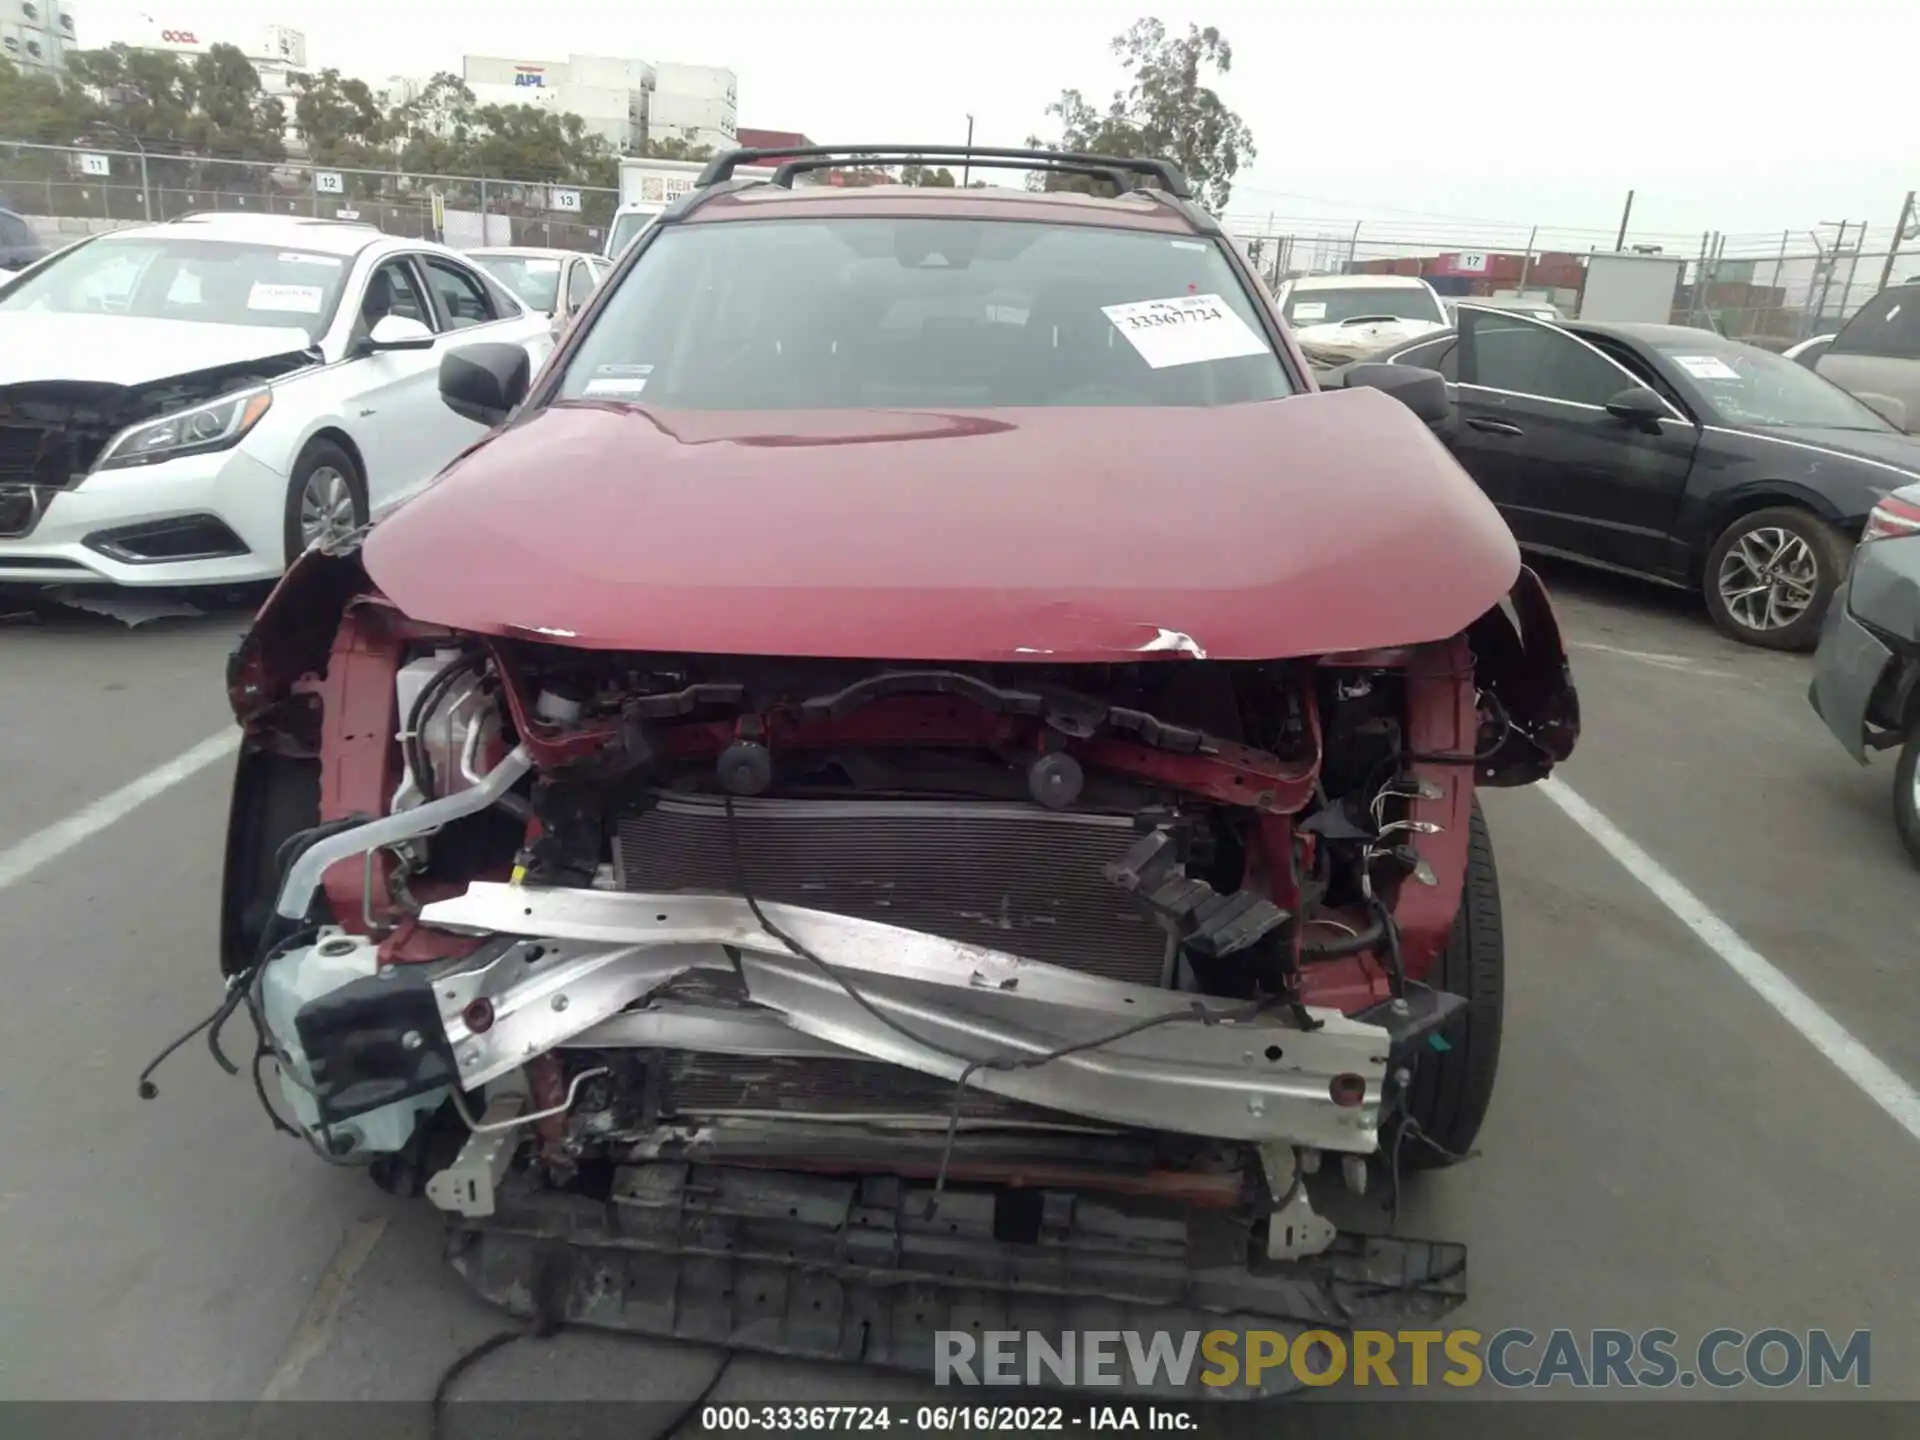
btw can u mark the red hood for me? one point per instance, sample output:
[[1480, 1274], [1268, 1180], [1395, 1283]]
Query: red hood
[[1319, 523]]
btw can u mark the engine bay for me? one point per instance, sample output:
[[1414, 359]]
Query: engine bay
[[516, 919]]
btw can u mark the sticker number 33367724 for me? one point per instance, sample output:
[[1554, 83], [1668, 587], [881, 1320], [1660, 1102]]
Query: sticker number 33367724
[[1185, 330]]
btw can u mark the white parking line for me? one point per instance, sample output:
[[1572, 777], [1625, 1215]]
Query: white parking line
[[315, 1327], [1651, 657], [1827, 1035], [42, 847]]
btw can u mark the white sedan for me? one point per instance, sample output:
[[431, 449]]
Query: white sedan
[[195, 403], [557, 283]]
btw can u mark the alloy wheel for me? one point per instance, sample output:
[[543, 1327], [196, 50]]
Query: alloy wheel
[[1768, 578], [326, 508]]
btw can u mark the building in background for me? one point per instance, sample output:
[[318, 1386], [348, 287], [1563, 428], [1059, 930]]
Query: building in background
[[609, 95], [276, 52], [37, 34], [625, 102], [698, 104]]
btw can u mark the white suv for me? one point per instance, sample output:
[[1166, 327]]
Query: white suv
[[1343, 317]]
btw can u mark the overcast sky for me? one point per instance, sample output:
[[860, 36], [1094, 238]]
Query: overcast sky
[[1454, 121]]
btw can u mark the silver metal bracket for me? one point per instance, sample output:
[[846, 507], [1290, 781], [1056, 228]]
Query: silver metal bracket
[[1294, 1229], [466, 1187]]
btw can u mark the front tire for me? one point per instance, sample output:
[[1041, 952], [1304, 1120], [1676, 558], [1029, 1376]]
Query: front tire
[[1453, 1086], [326, 498], [1906, 792], [1770, 576]]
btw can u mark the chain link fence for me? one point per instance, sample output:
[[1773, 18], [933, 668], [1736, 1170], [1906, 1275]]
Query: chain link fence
[[76, 191], [1772, 290]]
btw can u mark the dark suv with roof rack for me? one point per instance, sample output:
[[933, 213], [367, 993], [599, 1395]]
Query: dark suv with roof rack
[[921, 757]]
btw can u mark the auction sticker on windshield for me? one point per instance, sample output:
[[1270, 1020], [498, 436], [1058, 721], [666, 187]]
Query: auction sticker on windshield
[[297, 299], [1706, 367], [1310, 310], [1186, 330]]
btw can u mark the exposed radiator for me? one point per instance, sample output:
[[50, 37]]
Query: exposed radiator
[[708, 1085], [1010, 877]]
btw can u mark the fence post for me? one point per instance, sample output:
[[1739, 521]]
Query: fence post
[[1859, 244], [1699, 276], [1353, 247], [1893, 245], [1830, 266], [1779, 264], [1526, 262]]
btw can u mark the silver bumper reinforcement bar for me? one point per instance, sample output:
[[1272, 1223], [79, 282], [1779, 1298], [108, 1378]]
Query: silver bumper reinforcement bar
[[579, 958]]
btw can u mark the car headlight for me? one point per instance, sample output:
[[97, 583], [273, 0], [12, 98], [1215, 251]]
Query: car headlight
[[213, 426]]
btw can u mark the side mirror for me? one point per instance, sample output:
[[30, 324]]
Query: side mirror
[[1639, 407], [397, 332], [483, 383], [1422, 391]]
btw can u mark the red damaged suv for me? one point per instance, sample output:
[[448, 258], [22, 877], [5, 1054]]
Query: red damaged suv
[[921, 777]]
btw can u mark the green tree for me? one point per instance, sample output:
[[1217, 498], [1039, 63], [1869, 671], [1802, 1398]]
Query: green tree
[[522, 142], [939, 177], [146, 93], [1166, 111], [340, 120], [229, 115], [672, 147], [193, 116], [39, 109], [434, 131]]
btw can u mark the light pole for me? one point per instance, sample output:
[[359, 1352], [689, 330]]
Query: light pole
[[965, 169]]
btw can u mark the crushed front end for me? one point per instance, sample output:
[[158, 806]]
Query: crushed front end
[[815, 1006]]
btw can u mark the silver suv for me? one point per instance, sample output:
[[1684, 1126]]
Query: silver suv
[[1876, 355]]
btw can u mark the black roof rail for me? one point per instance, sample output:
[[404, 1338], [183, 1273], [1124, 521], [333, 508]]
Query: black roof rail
[[678, 209], [1163, 174]]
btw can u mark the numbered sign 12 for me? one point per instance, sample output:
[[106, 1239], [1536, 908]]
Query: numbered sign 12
[[328, 182]]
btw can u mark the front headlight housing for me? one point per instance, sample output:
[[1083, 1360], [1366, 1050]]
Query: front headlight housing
[[212, 426]]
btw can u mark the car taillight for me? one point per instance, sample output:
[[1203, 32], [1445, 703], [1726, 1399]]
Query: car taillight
[[1892, 516]]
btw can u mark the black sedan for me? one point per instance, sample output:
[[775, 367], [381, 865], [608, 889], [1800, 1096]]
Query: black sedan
[[1669, 453]]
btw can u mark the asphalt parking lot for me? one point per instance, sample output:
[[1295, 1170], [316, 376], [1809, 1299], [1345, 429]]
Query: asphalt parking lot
[[1665, 1148]]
